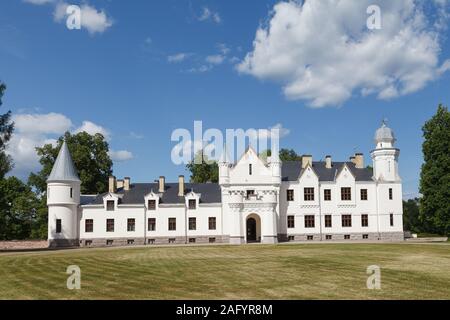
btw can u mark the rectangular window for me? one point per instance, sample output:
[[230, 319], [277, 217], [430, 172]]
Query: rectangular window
[[58, 226], [131, 225], [328, 237], [365, 236], [309, 194], [391, 218], [347, 237], [151, 241], [192, 223], [89, 225], [192, 204], [71, 192], [327, 194], [290, 195], [250, 193], [250, 169], [346, 220], [130, 241], [391, 196], [309, 221], [110, 205], [346, 194], [328, 221], [291, 238], [212, 223], [212, 240], [151, 224], [109, 242], [109, 225], [88, 243], [151, 205], [309, 238], [364, 220], [191, 240], [172, 224], [364, 194], [291, 222], [172, 240]]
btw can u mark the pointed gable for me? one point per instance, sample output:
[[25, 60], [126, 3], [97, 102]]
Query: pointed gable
[[64, 169], [250, 169]]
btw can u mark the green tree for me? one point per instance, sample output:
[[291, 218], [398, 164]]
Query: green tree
[[6, 130], [203, 170], [435, 175], [289, 155], [411, 215], [90, 156], [18, 207]]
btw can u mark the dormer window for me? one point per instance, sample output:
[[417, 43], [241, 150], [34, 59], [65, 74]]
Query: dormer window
[[250, 171], [110, 205], [151, 204], [192, 204]]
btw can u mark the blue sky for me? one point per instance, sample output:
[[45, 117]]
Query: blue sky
[[160, 65]]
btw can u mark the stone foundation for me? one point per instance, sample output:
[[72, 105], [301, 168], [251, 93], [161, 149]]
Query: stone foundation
[[384, 236], [117, 242], [62, 243]]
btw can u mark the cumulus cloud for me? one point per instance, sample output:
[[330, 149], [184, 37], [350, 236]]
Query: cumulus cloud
[[93, 20], [322, 51], [35, 130], [121, 155], [215, 59], [92, 128]]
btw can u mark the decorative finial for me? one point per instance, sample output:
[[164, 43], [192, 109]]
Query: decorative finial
[[384, 122]]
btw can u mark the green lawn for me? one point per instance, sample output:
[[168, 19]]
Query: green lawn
[[299, 271]]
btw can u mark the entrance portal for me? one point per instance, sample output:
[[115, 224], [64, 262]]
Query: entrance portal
[[251, 230]]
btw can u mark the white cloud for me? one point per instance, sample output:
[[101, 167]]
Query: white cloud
[[121, 155], [178, 57], [35, 130], [92, 128], [215, 59], [39, 2], [322, 51], [208, 14], [93, 20], [267, 133]]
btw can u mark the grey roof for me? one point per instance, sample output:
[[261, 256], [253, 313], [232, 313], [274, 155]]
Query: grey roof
[[384, 134], [210, 193], [291, 171], [64, 169]]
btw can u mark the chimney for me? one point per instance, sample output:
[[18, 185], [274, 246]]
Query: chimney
[[352, 159], [306, 159], [161, 183], [359, 160], [112, 184], [181, 186], [119, 184], [328, 163], [126, 183]]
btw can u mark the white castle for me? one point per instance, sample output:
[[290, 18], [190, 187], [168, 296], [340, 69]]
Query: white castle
[[255, 201]]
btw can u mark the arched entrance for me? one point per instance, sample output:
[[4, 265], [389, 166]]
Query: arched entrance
[[253, 228]]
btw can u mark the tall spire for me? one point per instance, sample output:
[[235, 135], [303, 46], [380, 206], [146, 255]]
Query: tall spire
[[63, 169]]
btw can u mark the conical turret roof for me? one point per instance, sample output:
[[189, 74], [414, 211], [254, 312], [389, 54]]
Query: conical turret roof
[[63, 169]]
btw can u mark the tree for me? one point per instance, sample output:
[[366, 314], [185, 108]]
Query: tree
[[411, 215], [6, 129], [435, 174], [18, 206], [202, 170], [289, 155], [91, 159]]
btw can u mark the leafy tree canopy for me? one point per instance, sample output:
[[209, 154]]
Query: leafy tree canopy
[[6, 130], [90, 156], [435, 174], [203, 170]]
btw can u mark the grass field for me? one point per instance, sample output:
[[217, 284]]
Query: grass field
[[299, 271]]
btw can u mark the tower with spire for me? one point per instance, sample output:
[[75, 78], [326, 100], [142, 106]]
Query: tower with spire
[[63, 200]]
